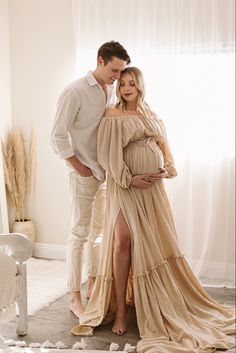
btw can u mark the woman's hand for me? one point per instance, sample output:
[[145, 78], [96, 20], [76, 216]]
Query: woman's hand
[[141, 181], [145, 181], [158, 176]]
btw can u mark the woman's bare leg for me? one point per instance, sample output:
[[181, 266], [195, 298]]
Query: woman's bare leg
[[121, 266]]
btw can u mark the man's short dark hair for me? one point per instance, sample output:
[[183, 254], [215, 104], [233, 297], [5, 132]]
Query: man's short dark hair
[[112, 49]]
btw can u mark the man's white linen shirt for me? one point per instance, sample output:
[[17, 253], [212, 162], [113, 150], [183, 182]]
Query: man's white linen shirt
[[80, 108]]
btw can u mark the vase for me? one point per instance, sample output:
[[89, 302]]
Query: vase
[[25, 227]]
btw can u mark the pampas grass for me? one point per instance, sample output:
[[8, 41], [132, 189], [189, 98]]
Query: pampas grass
[[19, 165]]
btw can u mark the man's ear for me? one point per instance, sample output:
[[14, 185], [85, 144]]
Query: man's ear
[[100, 61]]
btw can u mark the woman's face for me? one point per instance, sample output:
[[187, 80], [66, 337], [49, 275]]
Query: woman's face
[[128, 90]]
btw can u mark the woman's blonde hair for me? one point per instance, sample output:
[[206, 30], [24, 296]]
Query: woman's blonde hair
[[142, 106]]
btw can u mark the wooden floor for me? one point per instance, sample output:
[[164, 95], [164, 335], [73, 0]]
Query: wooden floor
[[55, 322]]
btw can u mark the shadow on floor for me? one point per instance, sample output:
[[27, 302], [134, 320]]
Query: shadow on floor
[[55, 322]]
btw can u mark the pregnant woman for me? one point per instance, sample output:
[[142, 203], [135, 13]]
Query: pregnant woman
[[141, 261]]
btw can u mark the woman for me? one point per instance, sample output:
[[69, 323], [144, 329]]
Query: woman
[[140, 246]]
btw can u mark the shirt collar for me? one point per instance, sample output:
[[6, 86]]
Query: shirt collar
[[91, 79]]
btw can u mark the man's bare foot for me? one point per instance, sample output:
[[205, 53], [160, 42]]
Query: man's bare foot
[[90, 285], [119, 326], [76, 305]]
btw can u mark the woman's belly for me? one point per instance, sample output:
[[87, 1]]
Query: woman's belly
[[143, 156]]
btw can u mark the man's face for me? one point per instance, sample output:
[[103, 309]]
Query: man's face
[[112, 70]]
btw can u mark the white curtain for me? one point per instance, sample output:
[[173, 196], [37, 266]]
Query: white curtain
[[185, 49]]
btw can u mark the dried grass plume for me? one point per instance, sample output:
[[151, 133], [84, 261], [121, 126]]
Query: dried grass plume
[[19, 166]]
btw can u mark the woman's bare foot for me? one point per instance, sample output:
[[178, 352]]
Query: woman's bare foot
[[119, 326], [90, 285], [76, 305]]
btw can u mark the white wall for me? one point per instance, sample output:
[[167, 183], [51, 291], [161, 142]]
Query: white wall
[[5, 76], [43, 62], [5, 101]]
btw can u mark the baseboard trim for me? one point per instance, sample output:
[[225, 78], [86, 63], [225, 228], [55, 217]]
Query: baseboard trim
[[215, 274], [54, 252], [49, 251]]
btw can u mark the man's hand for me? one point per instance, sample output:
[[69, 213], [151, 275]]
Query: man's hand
[[145, 181], [84, 171], [80, 168]]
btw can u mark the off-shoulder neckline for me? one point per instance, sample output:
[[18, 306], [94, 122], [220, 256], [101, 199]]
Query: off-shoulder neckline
[[124, 116]]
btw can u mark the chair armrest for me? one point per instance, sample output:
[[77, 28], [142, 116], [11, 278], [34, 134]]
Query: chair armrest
[[18, 246]]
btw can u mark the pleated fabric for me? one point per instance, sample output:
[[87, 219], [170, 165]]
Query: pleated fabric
[[174, 313]]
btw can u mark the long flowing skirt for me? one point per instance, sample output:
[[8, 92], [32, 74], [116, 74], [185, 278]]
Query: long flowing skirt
[[174, 313]]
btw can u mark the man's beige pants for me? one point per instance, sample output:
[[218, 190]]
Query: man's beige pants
[[87, 219]]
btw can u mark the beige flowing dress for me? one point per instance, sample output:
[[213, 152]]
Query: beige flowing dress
[[174, 313]]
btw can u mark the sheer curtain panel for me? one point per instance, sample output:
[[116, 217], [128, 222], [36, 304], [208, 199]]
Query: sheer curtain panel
[[186, 50]]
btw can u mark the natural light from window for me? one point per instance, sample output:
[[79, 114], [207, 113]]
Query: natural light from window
[[194, 95]]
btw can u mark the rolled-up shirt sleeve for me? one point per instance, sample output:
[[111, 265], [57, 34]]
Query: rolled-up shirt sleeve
[[68, 107]]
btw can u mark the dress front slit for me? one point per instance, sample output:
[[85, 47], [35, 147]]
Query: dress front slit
[[174, 313]]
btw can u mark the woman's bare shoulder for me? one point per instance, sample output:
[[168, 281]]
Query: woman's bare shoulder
[[113, 112]]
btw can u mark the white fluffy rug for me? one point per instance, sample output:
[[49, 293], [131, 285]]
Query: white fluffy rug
[[46, 282], [43, 350]]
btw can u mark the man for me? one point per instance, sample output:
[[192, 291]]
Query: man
[[74, 138]]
